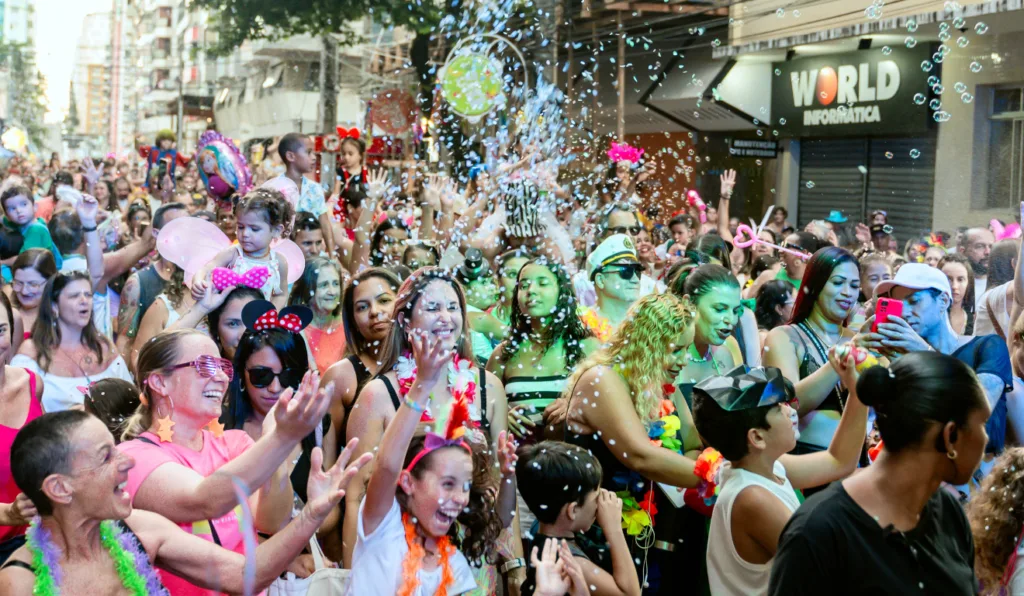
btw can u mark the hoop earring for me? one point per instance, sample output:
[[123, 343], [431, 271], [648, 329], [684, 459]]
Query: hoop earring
[[951, 454]]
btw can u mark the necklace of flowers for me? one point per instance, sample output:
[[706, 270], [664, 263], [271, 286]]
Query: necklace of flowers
[[597, 324], [461, 380], [413, 561], [132, 563]]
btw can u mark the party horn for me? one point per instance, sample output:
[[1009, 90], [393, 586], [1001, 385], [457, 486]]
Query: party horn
[[751, 239]]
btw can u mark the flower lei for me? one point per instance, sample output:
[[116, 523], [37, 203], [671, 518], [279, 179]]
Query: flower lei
[[637, 516], [414, 561], [132, 563], [461, 380], [597, 324]]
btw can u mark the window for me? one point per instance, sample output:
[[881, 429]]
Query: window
[[1006, 149], [312, 82]]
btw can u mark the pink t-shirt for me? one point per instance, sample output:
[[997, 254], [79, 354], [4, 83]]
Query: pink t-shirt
[[215, 453]]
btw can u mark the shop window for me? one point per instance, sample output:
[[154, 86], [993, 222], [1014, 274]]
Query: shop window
[[1006, 149]]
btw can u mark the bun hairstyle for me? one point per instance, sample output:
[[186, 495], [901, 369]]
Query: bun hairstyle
[[919, 390]]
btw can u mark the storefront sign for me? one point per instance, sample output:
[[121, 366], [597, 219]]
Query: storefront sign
[[753, 148], [863, 92]]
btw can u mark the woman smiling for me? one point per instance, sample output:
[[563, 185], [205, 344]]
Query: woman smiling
[[319, 288]]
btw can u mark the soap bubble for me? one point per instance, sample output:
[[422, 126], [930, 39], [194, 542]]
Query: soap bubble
[[934, 104], [959, 87], [926, 65], [810, 184], [959, 22], [933, 81], [975, 66], [911, 25], [888, 154], [796, 14], [919, 99], [910, 42], [941, 116], [778, 71], [886, 50], [782, 121], [914, 154], [780, 12], [938, 57], [980, 28], [938, 89], [966, 97], [962, 41], [944, 36]]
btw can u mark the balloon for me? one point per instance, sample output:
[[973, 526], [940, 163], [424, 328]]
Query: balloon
[[222, 166], [745, 238], [472, 84]]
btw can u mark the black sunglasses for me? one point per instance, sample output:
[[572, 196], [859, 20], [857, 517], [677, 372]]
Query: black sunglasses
[[631, 230], [262, 376], [626, 272]]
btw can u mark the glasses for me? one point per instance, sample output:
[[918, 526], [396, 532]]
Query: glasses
[[626, 272], [631, 230], [207, 366], [262, 376], [791, 246], [31, 285]]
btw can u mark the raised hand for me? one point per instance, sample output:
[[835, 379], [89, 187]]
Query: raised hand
[[91, 173], [432, 191], [212, 298], [863, 233], [609, 510], [648, 170], [87, 209], [507, 457], [324, 490], [376, 184], [728, 179], [431, 358], [298, 413], [200, 286], [550, 571]]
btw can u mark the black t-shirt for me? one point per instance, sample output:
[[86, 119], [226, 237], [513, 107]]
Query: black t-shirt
[[832, 546]]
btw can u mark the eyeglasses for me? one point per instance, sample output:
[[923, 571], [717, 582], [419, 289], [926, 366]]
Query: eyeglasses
[[626, 272], [631, 230], [31, 285], [207, 366], [262, 376]]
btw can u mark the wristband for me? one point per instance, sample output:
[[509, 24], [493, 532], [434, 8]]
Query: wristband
[[92, 229], [414, 405], [512, 565]]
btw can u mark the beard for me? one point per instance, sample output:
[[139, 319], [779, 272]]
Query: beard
[[980, 268]]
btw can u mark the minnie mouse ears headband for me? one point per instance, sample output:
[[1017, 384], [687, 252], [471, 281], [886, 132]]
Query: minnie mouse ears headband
[[260, 315]]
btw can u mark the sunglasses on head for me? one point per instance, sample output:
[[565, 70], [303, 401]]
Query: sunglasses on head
[[262, 376], [791, 246], [631, 230], [626, 272], [207, 366]]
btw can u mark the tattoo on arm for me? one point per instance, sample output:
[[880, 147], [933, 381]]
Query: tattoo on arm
[[129, 304]]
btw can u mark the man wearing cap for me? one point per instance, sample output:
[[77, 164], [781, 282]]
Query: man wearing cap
[[926, 297], [614, 270], [620, 228]]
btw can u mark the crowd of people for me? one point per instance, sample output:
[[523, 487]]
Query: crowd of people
[[487, 384]]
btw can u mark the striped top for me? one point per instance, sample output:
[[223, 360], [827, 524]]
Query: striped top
[[536, 393]]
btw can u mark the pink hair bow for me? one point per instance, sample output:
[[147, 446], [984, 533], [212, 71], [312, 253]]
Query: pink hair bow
[[624, 152], [1002, 233], [253, 278]]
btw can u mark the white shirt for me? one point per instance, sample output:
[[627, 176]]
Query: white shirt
[[996, 299], [100, 302], [61, 393], [377, 562], [980, 285], [728, 573]]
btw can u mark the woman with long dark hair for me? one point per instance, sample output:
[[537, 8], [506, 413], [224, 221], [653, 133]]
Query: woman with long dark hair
[[388, 242], [911, 534], [826, 300], [30, 271], [66, 349], [957, 268], [774, 306]]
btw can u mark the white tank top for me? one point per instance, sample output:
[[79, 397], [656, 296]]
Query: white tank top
[[728, 573]]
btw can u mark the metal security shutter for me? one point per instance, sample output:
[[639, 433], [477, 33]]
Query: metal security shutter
[[901, 185], [829, 166]]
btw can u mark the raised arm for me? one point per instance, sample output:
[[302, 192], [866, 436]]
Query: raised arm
[[840, 460], [365, 422], [181, 495], [728, 179], [87, 210]]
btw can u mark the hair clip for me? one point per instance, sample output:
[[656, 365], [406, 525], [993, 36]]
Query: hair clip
[[260, 315]]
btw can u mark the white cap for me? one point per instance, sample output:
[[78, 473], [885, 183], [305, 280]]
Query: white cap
[[916, 276], [618, 247]]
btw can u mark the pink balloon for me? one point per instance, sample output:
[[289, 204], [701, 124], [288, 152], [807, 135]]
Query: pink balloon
[[752, 239]]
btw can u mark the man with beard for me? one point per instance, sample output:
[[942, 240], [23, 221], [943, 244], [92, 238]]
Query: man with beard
[[977, 246]]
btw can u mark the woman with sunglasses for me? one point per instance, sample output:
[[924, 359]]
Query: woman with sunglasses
[[267, 363], [66, 349], [186, 464], [831, 285]]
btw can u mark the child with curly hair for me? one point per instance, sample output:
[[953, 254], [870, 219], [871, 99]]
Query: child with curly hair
[[996, 515]]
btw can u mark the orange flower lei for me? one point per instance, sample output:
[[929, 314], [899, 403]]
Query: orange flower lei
[[414, 560], [597, 324]]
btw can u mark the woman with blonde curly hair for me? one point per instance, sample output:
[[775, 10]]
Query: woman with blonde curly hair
[[621, 398], [996, 516]]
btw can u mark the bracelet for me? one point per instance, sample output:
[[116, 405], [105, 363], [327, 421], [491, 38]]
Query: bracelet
[[92, 229], [414, 405], [511, 565]]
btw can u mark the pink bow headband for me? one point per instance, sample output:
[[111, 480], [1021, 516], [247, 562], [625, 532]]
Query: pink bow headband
[[433, 442]]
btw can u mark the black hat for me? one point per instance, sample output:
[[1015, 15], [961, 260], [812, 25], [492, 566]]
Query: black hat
[[743, 388], [474, 267]]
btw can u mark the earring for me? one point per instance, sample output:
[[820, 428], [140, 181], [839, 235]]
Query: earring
[[165, 428], [951, 454]]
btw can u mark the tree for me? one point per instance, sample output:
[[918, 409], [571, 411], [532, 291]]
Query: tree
[[28, 90], [71, 122]]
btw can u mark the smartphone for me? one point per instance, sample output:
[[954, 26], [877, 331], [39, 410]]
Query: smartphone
[[887, 307]]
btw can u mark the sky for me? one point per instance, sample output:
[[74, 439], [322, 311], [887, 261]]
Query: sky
[[58, 26]]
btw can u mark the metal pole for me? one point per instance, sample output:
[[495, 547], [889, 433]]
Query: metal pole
[[181, 96], [621, 87]]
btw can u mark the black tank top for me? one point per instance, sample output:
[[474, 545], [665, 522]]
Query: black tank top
[[151, 285]]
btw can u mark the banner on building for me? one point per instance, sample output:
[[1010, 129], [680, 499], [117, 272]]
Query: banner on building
[[856, 93]]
